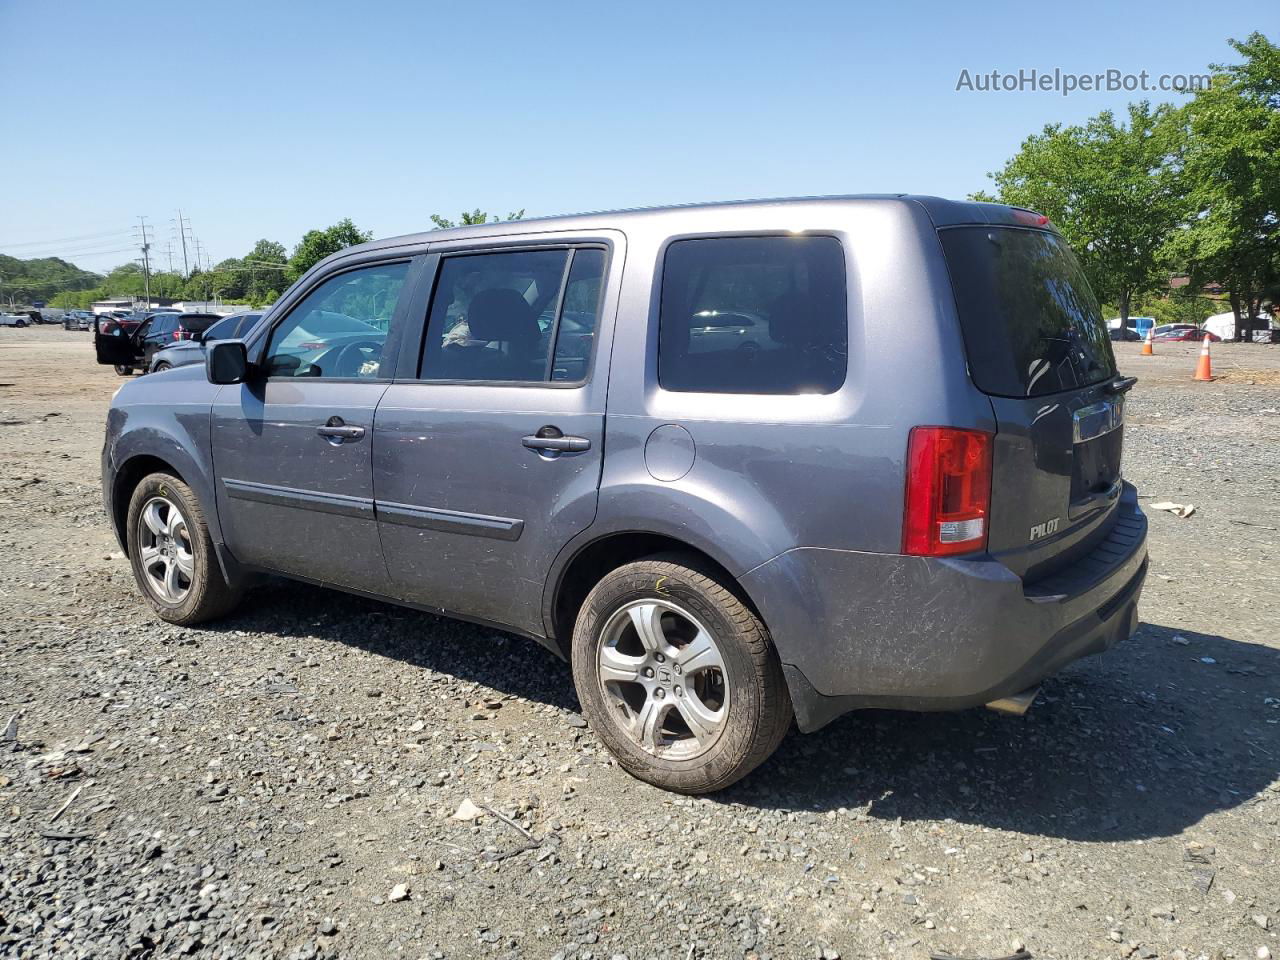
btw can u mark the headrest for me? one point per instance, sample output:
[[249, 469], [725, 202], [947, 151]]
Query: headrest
[[501, 314]]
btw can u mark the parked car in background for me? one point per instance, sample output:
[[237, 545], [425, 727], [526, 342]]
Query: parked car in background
[[1166, 328], [1185, 333], [718, 539], [14, 320], [235, 326], [130, 349], [1124, 334], [1139, 325]]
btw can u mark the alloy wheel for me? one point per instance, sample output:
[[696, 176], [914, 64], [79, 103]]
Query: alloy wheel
[[663, 675], [164, 544]]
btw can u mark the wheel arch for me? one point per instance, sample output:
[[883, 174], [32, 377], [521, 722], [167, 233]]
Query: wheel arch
[[134, 466], [128, 475], [580, 567]]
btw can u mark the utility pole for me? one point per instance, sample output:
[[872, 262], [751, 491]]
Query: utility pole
[[183, 226], [146, 260]]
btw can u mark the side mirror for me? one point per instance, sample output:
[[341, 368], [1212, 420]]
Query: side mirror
[[225, 361]]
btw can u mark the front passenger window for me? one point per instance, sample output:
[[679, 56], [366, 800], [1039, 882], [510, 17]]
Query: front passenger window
[[339, 330]]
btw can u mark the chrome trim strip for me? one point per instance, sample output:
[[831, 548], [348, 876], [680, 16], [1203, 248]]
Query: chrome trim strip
[[1097, 420], [335, 503], [450, 521]]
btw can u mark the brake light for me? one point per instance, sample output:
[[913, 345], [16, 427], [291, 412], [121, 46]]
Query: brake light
[[1030, 217], [948, 493], [177, 334]]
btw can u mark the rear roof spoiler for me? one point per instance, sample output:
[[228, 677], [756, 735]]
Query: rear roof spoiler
[[955, 213]]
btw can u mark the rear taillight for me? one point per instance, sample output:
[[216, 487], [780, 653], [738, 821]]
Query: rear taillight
[[177, 334], [948, 491], [1030, 217]]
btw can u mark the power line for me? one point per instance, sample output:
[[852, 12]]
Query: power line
[[104, 246], [64, 240]]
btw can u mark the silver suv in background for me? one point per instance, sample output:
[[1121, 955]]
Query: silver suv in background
[[739, 463], [234, 326]]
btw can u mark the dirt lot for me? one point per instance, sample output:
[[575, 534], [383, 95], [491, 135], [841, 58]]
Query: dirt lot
[[283, 784]]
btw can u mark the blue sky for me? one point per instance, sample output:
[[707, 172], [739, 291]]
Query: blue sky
[[265, 119]]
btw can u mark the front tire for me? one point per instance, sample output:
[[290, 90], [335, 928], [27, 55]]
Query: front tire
[[172, 554], [161, 366], [677, 676], [123, 371]]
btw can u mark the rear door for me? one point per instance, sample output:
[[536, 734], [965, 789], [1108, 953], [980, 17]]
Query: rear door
[[1038, 348], [487, 453], [157, 336]]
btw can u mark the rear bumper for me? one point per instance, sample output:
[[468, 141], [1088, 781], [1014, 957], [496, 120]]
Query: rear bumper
[[858, 630]]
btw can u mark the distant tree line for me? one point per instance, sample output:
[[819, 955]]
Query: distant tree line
[[1190, 191], [257, 278]]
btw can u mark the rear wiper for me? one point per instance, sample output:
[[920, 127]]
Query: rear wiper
[[1120, 385]]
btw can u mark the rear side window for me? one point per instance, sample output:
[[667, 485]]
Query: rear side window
[[761, 315], [1030, 322], [224, 329], [523, 316]]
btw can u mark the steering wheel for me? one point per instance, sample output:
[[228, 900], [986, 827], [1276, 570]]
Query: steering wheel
[[358, 352]]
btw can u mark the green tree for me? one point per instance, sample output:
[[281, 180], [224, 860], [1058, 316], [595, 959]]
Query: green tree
[[1230, 170], [42, 278], [266, 265], [315, 245], [125, 280], [476, 216], [1111, 189], [167, 284]]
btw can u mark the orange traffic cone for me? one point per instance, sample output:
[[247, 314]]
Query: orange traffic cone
[[1203, 370], [1146, 344]]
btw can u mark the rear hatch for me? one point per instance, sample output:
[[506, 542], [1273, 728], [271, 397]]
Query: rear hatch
[[1037, 346]]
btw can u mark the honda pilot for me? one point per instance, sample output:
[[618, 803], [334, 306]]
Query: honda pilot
[[740, 464]]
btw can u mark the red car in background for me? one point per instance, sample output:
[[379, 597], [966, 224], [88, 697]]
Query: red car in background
[[1178, 334]]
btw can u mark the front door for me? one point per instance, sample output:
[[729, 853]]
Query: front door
[[291, 446], [489, 462], [118, 348]]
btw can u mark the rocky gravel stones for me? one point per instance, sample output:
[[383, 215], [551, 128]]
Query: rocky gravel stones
[[242, 795]]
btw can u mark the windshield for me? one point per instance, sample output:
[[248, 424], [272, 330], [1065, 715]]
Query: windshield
[[1030, 322]]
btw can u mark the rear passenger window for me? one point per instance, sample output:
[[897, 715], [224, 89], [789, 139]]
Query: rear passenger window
[[762, 315], [522, 316]]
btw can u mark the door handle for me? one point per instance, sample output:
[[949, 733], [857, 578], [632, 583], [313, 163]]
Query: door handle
[[558, 443], [335, 431]]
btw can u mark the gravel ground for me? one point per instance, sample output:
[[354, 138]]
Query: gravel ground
[[288, 783]]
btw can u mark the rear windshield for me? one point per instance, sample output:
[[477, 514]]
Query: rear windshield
[[1030, 322], [198, 324]]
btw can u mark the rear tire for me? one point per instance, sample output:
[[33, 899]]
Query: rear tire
[[172, 554], [677, 676], [123, 371]]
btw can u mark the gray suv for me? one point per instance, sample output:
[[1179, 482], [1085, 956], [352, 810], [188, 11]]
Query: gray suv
[[739, 463]]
